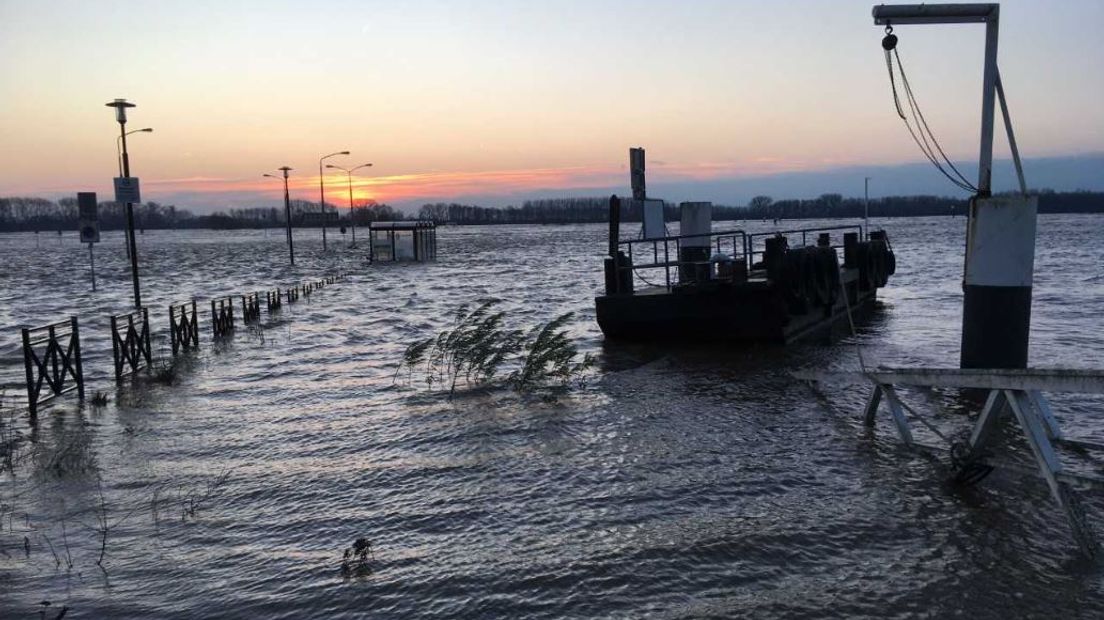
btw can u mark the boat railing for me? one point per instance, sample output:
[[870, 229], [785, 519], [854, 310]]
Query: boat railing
[[666, 253], [756, 242]]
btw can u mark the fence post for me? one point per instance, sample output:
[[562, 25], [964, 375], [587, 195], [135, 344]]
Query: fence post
[[115, 349], [32, 393], [172, 331], [146, 337]]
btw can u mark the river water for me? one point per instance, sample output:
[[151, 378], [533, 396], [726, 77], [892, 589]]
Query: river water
[[691, 482]]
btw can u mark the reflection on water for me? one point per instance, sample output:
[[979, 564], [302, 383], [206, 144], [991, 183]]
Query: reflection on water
[[676, 482]]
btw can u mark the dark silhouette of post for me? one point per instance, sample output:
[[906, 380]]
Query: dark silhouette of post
[[349, 172], [322, 193], [119, 156], [120, 106], [287, 208], [636, 173]]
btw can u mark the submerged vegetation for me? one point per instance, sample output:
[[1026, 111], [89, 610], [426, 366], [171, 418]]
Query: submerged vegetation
[[355, 560], [479, 345]]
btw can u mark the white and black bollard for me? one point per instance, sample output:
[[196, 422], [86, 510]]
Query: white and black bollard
[[1000, 263]]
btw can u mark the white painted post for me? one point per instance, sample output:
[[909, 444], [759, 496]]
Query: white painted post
[[988, 90]]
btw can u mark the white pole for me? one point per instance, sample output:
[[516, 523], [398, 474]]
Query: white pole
[[866, 206], [989, 81], [1011, 136], [92, 262]]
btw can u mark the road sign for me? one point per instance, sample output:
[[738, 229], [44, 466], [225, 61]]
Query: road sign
[[126, 190], [89, 221]]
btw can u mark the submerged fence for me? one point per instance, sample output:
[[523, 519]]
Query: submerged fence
[[52, 353], [272, 301], [183, 327], [251, 308], [222, 316], [57, 363], [130, 346]]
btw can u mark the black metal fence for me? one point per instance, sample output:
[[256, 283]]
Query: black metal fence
[[222, 317], [57, 364], [183, 326], [251, 308], [273, 301], [130, 342], [52, 353]]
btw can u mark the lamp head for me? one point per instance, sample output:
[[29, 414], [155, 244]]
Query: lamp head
[[120, 106]]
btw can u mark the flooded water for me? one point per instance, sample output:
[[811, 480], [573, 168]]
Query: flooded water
[[696, 482]]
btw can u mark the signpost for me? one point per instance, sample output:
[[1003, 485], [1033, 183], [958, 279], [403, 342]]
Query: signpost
[[89, 226], [126, 190]]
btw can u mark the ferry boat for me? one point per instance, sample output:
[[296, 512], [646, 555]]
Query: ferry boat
[[772, 287]]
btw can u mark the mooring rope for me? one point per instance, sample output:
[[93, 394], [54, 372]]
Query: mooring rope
[[851, 322], [889, 44]]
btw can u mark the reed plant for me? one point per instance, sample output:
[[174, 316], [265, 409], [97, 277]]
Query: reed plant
[[479, 345]]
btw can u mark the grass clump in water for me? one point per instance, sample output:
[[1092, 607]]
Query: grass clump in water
[[479, 345], [99, 399]]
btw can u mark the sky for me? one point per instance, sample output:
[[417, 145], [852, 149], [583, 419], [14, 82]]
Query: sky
[[496, 101]]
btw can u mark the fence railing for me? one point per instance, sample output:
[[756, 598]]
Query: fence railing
[[183, 326], [130, 342], [222, 317], [251, 308], [57, 367], [666, 254], [52, 353], [273, 301]]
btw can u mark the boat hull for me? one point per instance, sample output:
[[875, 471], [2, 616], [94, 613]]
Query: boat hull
[[754, 311]]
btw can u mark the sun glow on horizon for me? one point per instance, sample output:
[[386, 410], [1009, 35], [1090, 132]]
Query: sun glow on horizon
[[512, 100]]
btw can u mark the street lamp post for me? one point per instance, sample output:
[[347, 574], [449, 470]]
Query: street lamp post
[[866, 205], [119, 157], [287, 209], [322, 193], [349, 172], [120, 106], [118, 148]]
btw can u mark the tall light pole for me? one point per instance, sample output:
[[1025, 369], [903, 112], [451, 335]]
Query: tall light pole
[[287, 209], [118, 148], [349, 172], [322, 193], [120, 106], [866, 206], [119, 156]]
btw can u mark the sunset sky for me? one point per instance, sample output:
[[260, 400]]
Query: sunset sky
[[494, 101]]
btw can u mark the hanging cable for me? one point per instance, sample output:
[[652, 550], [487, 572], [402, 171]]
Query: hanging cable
[[926, 141]]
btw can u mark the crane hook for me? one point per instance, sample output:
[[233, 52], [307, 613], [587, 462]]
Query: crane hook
[[890, 40]]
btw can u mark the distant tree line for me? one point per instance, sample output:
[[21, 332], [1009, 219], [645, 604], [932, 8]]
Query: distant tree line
[[19, 213], [27, 214], [826, 206], [836, 206]]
